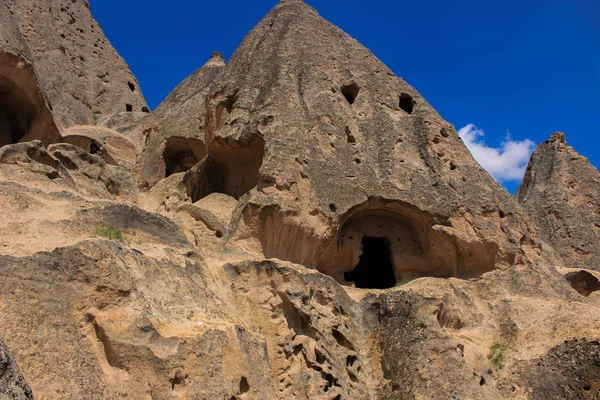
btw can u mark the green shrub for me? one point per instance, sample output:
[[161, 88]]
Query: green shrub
[[496, 355], [109, 232]]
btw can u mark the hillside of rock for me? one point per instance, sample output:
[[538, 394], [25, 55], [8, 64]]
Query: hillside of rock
[[295, 223]]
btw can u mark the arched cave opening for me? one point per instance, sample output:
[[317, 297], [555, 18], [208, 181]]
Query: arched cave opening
[[375, 269], [409, 243], [181, 154], [17, 113], [229, 169], [24, 113]]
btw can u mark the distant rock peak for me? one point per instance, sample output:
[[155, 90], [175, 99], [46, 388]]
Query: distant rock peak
[[216, 59], [559, 192], [558, 137]]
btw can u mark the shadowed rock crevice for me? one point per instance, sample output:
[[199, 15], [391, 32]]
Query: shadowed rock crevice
[[16, 113], [111, 356], [229, 169], [181, 154], [224, 108]]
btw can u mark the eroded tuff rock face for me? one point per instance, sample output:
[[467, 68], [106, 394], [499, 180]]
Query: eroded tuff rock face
[[24, 112], [324, 146], [156, 315], [173, 135], [287, 188], [12, 383], [569, 371], [560, 193], [66, 56]]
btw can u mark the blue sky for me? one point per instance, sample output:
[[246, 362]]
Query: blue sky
[[526, 67]]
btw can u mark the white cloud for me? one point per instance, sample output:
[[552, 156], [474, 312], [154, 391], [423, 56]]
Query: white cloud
[[505, 163]]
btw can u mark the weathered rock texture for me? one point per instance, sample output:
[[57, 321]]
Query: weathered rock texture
[[325, 146], [78, 72], [560, 192], [313, 230], [569, 371], [24, 112], [12, 383], [173, 135]]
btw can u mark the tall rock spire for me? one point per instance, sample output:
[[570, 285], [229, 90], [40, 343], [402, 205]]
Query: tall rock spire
[[560, 192], [174, 133], [322, 143], [64, 41]]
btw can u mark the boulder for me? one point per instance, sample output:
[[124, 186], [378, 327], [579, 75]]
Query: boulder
[[36, 159]]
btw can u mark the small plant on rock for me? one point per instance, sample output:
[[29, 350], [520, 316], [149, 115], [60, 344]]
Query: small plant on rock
[[109, 232], [496, 355], [403, 282], [94, 118]]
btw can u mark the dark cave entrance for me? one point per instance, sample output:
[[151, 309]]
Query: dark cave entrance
[[350, 92], [407, 103], [181, 154], [375, 269], [17, 113]]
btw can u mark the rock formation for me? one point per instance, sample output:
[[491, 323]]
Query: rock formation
[[173, 135], [24, 111], [58, 70], [330, 155], [295, 224], [12, 383], [560, 192]]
